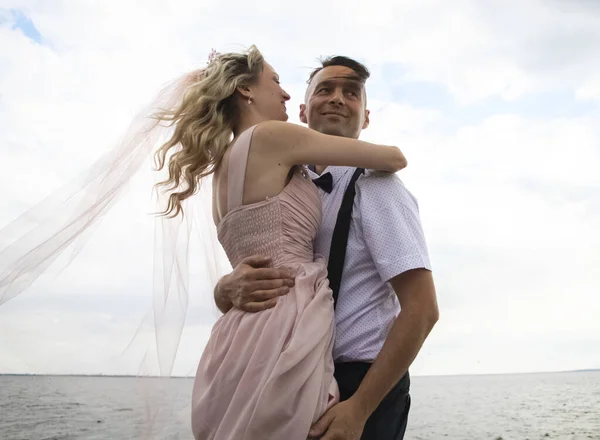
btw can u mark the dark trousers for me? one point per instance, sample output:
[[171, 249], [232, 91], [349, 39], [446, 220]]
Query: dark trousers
[[388, 421]]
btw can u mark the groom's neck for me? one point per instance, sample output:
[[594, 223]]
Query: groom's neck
[[320, 168]]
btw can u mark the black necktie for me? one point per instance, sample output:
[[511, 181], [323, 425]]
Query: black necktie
[[325, 182]]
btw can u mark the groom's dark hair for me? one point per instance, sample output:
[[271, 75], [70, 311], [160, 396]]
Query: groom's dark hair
[[360, 69]]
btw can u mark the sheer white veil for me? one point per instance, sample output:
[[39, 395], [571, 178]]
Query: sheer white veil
[[65, 220]]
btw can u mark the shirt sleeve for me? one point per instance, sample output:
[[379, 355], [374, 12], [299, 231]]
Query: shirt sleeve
[[391, 225]]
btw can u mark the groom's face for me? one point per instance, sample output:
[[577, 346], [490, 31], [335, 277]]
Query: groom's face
[[335, 103]]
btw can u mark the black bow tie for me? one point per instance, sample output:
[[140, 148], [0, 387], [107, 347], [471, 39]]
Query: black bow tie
[[325, 182]]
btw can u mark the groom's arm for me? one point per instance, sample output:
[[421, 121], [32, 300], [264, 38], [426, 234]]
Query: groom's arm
[[252, 286], [222, 300], [416, 292], [394, 235]]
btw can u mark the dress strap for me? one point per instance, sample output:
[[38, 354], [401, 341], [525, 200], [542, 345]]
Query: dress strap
[[236, 173]]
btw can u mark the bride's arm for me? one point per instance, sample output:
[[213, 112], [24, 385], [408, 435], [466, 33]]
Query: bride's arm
[[291, 144]]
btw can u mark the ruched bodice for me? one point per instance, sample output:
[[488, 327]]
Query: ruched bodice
[[282, 227]]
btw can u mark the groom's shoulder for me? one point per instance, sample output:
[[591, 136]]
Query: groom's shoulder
[[382, 177], [385, 186]]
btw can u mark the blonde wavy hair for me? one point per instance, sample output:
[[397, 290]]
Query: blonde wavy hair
[[203, 123]]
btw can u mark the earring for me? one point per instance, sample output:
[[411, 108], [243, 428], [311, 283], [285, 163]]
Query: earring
[[249, 101]]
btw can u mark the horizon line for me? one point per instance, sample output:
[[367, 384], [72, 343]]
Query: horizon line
[[585, 370]]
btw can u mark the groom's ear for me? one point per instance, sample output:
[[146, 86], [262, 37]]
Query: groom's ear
[[303, 114], [367, 120]]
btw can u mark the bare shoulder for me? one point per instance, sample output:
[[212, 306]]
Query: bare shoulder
[[275, 133], [269, 130]]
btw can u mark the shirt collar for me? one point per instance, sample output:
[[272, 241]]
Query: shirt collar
[[337, 173]]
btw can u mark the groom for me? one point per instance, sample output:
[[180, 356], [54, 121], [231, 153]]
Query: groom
[[379, 270]]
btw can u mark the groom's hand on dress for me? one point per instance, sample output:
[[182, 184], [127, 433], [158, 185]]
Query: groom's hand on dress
[[344, 421], [254, 286]]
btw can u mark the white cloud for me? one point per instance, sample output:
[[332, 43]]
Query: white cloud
[[589, 91], [509, 201]]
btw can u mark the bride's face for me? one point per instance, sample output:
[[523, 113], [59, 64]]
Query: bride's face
[[268, 96]]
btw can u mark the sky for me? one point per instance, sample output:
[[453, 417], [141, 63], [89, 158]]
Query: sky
[[495, 104]]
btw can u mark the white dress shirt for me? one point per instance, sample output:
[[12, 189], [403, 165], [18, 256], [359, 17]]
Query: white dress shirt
[[385, 240]]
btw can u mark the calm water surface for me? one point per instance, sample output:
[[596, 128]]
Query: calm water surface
[[527, 406]]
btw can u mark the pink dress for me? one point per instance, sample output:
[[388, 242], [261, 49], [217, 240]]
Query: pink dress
[[269, 375]]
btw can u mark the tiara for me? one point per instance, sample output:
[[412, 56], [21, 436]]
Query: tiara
[[212, 56]]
